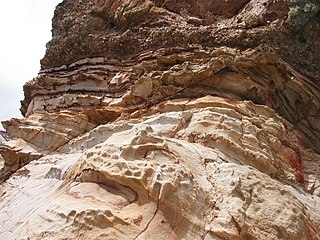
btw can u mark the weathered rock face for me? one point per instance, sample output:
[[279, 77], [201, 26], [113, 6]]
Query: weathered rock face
[[169, 120]]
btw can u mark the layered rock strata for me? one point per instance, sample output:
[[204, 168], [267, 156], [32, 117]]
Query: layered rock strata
[[169, 120]]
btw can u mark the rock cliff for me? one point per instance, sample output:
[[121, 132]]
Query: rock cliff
[[162, 119]]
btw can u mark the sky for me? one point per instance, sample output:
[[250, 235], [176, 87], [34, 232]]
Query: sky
[[25, 27]]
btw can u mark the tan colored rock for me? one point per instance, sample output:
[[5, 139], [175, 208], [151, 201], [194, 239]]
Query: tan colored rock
[[169, 120], [15, 154], [49, 130], [147, 178]]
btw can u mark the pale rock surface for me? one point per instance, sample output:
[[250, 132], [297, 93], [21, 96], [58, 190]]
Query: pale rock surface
[[211, 168], [169, 120]]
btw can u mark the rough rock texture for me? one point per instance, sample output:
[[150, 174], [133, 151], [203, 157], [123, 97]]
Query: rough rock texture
[[169, 119]]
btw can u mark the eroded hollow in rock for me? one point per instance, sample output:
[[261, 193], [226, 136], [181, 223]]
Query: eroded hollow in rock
[[93, 176]]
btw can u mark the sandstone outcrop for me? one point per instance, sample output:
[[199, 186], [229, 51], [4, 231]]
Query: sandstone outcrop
[[169, 119]]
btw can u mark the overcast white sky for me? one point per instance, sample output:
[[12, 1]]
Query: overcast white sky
[[25, 28]]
